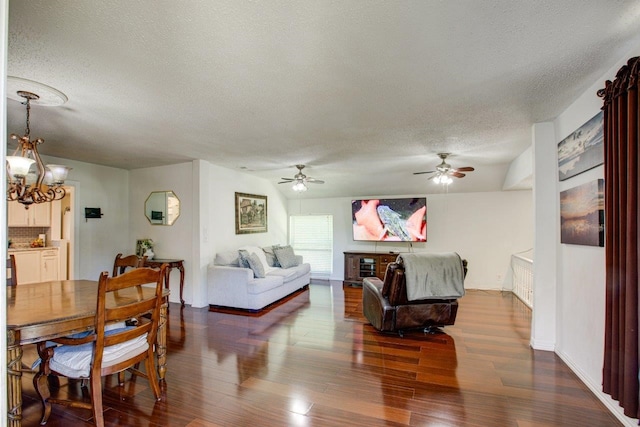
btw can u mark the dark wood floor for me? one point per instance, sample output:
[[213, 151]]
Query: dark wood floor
[[315, 361]]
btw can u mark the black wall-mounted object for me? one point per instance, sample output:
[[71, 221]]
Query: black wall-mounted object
[[92, 213], [157, 215]]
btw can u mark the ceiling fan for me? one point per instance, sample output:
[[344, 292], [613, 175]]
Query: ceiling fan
[[300, 180], [444, 171]]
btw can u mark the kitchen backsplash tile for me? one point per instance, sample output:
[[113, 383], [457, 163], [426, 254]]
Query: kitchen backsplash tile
[[25, 235]]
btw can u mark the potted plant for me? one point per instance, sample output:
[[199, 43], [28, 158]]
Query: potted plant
[[147, 246]]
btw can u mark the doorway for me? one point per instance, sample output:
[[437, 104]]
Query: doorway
[[64, 231]]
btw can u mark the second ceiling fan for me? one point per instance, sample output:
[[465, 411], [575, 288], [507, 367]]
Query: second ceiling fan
[[444, 171], [300, 180]]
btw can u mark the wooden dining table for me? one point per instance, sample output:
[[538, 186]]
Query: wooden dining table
[[41, 311]]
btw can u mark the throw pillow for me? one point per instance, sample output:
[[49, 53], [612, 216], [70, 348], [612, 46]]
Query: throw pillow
[[285, 256], [243, 258], [270, 256], [271, 259], [227, 258], [260, 254], [256, 266]]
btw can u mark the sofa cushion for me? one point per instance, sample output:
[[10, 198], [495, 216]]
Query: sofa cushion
[[286, 256], [227, 258], [258, 286], [291, 273], [256, 265], [287, 274]]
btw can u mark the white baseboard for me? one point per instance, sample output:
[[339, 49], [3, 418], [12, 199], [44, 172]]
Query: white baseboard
[[612, 405], [542, 345]]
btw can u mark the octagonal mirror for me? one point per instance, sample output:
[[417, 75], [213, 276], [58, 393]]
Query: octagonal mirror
[[162, 208]]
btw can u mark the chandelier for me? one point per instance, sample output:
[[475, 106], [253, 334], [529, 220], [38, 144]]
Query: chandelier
[[25, 185]]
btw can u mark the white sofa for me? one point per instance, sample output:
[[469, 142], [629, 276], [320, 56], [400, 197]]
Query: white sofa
[[230, 285]]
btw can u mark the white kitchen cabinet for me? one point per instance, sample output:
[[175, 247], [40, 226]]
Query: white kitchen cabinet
[[38, 215], [17, 215], [37, 265], [49, 265], [27, 266], [41, 215]]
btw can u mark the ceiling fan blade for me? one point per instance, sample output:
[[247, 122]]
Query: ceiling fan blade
[[286, 182], [315, 181], [465, 169], [457, 174], [420, 173]]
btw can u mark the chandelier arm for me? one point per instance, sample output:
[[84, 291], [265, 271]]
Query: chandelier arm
[[41, 169], [56, 192]]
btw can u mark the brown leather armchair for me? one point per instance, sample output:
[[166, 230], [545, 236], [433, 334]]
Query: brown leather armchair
[[385, 304]]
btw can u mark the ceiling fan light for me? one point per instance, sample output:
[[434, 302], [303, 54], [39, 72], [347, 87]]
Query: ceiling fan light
[[446, 180], [436, 180], [299, 187]]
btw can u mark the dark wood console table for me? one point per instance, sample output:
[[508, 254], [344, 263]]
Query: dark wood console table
[[172, 263], [360, 265]]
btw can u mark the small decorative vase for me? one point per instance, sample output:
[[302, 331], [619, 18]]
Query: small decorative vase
[[149, 253]]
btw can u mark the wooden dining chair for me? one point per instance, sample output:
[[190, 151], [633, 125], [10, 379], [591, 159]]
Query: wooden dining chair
[[112, 347], [12, 277], [121, 264], [12, 280]]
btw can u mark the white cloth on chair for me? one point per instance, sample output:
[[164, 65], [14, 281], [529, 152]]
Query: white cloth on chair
[[433, 275], [74, 361]]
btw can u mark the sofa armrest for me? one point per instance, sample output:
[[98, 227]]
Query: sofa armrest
[[228, 286]]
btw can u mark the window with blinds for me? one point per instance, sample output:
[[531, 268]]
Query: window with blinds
[[312, 237]]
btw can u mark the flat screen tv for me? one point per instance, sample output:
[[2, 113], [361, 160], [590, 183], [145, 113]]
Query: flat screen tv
[[390, 220]]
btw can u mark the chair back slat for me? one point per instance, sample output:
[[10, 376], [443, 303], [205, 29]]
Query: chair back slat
[[129, 311], [127, 335], [121, 264], [12, 277]]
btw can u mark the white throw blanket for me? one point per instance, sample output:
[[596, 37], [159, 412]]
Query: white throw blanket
[[433, 275]]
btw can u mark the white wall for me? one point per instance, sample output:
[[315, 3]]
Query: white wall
[[215, 229], [581, 277], [98, 240], [546, 237], [174, 241], [484, 228], [220, 220]]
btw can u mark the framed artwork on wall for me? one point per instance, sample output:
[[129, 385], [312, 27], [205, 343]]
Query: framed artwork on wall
[[582, 214], [251, 213], [583, 149]]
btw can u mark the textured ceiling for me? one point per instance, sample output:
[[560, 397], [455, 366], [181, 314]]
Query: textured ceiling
[[362, 92]]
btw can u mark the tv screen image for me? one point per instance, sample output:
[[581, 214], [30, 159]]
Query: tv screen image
[[390, 220]]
